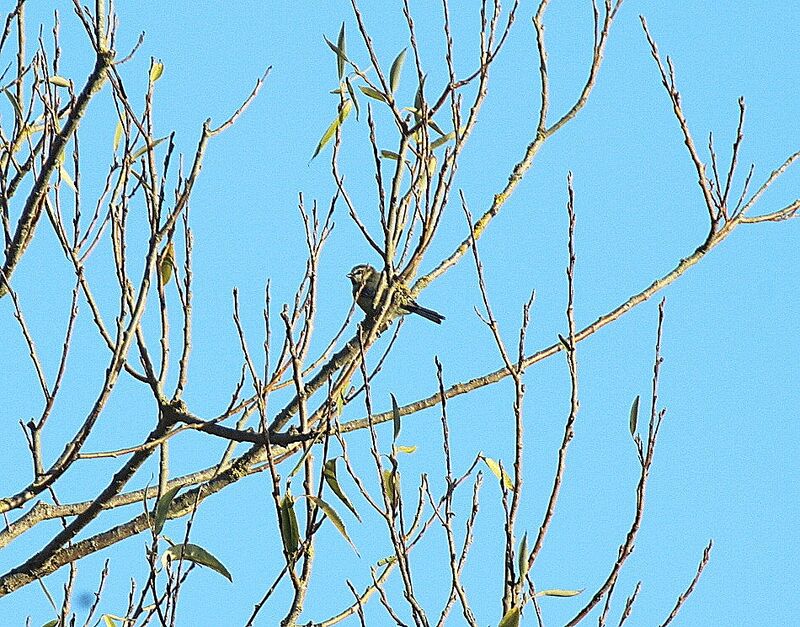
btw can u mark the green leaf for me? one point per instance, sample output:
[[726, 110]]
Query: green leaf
[[162, 508], [341, 44], [511, 619], [339, 53], [397, 69], [117, 135], [395, 418], [16, 106], [341, 117], [144, 149], [372, 93], [288, 524], [51, 623], [351, 90], [634, 417], [197, 555], [334, 518], [60, 81], [555, 592], [341, 397], [156, 70], [443, 140], [419, 99], [498, 472], [329, 474], [388, 154], [303, 457], [435, 127], [522, 557]]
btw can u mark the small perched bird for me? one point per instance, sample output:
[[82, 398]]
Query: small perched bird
[[365, 281]]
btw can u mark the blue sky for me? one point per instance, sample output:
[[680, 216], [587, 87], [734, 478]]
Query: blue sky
[[726, 465]]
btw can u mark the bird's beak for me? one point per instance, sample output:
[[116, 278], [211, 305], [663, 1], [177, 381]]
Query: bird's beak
[[349, 275]]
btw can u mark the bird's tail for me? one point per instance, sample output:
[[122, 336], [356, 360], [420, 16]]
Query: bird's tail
[[429, 314]]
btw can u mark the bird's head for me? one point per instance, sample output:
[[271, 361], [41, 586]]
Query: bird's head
[[361, 273]]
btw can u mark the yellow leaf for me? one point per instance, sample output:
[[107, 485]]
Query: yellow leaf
[[498, 472], [67, 178], [117, 135], [511, 619], [556, 592], [60, 81], [167, 263], [156, 70]]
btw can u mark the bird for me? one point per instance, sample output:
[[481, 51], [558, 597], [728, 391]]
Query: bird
[[365, 281]]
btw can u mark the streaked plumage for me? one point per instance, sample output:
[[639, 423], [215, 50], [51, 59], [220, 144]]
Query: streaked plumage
[[365, 281]]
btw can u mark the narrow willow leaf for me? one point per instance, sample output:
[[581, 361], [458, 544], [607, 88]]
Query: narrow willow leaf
[[341, 44], [167, 263], [555, 592], [372, 93], [435, 127], [288, 524], [498, 472], [302, 460], [339, 54], [29, 130], [334, 518], [341, 117], [144, 149], [443, 140], [405, 449], [197, 555], [109, 620], [329, 473], [117, 135], [395, 418], [60, 81], [51, 623], [511, 619], [13, 100], [162, 509], [352, 92], [396, 71], [388, 154], [634, 417], [419, 99], [67, 178], [522, 557], [156, 70]]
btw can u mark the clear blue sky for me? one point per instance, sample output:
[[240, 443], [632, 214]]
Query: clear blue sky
[[726, 467]]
